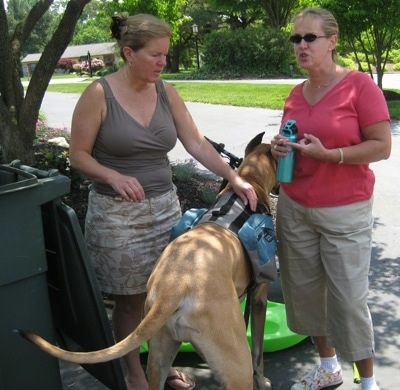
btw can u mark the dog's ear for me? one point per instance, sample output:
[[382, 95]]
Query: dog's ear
[[253, 143]]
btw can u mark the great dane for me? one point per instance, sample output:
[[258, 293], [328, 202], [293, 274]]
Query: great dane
[[193, 296]]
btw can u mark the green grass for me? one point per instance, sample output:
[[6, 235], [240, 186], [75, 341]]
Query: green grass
[[57, 76], [394, 108], [235, 94], [271, 96], [69, 88]]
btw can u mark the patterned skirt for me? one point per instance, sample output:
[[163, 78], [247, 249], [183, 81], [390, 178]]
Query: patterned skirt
[[125, 239]]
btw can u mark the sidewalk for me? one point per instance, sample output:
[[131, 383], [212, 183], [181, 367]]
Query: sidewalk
[[235, 126]]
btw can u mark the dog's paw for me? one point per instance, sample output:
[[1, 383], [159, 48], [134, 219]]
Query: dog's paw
[[262, 384]]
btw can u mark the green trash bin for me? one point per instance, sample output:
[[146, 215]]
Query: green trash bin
[[23, 286]]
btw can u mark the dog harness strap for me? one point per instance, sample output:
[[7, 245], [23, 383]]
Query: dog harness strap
[[262, 209], [228, 212], [224, 208], [239, 221]]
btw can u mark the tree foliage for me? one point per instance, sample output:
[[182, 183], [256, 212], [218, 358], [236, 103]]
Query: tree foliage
[[369, 27], [278, 11], [237, 13], [93, 31], [243, 13], [170, 11], [94, 25]]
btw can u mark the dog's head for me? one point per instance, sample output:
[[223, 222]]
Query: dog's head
[[259, 168]]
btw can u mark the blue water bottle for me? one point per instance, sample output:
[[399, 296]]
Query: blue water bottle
[[286, 164]]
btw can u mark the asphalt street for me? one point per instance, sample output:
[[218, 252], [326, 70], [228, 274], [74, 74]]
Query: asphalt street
[[235, 126]]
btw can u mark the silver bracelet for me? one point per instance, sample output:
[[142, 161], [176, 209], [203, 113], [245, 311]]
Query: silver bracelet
[[341, 156]]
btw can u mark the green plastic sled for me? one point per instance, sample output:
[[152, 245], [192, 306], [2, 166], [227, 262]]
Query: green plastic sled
[[277, 335]]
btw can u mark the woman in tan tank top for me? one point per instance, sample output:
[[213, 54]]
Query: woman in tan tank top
[[123, 127]]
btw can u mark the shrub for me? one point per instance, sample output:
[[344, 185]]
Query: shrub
[[253, 51], [394, 56], [66, 64], [107, 70], [347, 62], [195, 188], [51, 156], [96, 65], [54, 157], [184, 171], [210, 191]]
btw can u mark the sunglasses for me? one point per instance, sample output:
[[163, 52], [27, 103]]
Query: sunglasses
[[307, 38]]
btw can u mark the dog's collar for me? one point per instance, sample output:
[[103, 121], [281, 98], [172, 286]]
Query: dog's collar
[[262, 208]]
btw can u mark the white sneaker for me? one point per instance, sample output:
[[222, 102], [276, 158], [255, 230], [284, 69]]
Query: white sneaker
[[318, 379], [375, 387]]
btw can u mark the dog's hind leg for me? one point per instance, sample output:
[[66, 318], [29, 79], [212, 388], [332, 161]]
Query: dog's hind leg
[[225, 348], [162, 352], [258, 316]]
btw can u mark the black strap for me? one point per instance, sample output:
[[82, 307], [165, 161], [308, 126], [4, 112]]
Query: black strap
[[241, 218], [224, 208], [246, 313]]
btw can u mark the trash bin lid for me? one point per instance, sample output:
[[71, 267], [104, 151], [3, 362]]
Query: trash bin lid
[[14, 179], [78, 309]]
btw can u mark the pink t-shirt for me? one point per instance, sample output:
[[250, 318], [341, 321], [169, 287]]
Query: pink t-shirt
[[354, 103]]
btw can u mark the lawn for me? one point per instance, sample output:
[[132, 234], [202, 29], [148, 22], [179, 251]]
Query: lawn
[[271, 96]]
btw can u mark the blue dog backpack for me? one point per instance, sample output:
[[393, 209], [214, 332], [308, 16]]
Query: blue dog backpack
[[187, 221], [258, 237]]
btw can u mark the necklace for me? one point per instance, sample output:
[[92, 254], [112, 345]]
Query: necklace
[[322, 85]]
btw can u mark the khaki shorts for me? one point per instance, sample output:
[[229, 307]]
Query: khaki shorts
[[125, 239], [324, 257]]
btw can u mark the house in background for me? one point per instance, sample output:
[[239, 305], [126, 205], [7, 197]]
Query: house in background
[[108, 52]]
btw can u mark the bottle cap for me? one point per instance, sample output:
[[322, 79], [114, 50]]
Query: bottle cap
[[289, 128]]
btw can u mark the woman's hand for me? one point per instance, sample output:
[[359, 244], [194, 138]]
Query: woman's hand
[[309, 146], [312, 147], [128, 187], [244, 190], [278, 146]]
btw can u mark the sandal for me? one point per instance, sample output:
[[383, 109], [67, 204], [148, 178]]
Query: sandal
[[183, 378]]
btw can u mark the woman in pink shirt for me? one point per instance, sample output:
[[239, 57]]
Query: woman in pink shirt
[[324, 216]]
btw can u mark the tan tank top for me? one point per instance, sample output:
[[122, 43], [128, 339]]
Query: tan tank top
[[124, 145]]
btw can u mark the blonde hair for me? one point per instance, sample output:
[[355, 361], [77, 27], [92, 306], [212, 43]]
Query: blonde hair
[[329, 24], [137, 30]]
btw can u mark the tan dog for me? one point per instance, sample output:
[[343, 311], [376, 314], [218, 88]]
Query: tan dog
[[192, 295]]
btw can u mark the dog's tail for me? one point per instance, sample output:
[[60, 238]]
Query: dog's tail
[[150, 325]]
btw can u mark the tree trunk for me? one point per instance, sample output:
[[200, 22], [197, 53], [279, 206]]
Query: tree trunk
[[13, 146], [19, 112], [174, 65]]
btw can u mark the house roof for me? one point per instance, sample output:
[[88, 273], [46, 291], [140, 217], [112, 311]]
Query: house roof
[[95, 49]]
